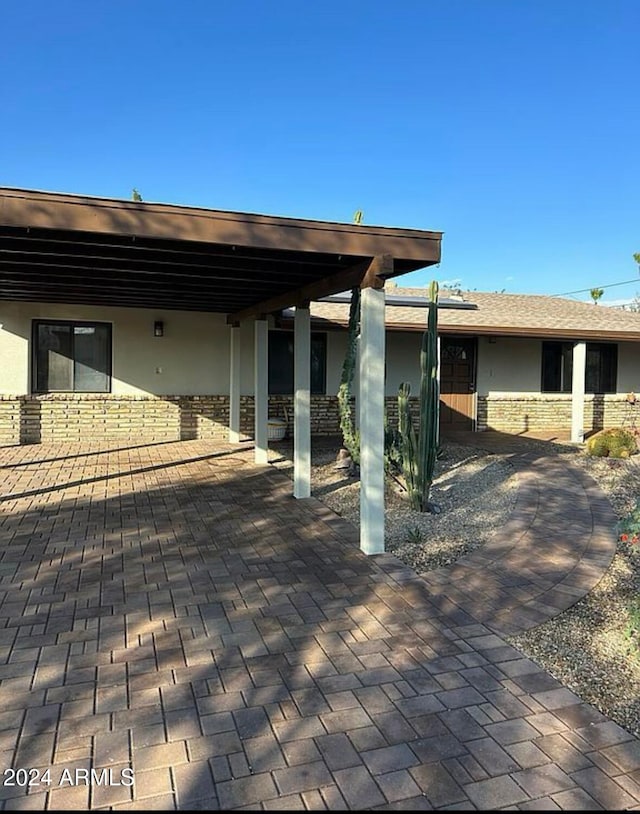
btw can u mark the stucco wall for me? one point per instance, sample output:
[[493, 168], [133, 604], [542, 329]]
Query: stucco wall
[[192, 358], [628, 367], [507, 364], [402, 361]]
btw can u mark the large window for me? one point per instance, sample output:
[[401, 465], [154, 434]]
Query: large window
[[281, 363], [71, 357], [557, 367]]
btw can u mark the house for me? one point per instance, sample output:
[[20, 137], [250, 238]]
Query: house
[[510, 362], [118, 320]]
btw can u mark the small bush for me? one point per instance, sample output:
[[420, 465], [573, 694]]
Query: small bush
[[629, 529], [613, 443]]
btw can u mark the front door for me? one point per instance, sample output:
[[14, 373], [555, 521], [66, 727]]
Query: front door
[[457, 382]]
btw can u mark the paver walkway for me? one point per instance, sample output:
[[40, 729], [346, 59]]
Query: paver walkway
[[171, 614]]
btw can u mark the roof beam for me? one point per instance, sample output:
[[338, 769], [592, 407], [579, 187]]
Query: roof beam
[[128, 273], [379, 269], [367, 274]]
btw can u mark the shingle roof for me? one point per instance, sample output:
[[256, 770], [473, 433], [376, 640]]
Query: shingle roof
[[501, 314]]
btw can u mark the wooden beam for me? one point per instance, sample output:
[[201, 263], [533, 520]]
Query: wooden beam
[[341, 281], [379, 269], [370, 270]]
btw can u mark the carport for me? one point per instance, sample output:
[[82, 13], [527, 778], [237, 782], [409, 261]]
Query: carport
[[61, 248]]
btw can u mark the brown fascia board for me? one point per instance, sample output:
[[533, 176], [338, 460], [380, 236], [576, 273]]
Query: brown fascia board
[[466, 330], [558, 334], [48, 210]]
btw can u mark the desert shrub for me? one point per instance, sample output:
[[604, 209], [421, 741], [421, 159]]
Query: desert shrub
[[615, 442]]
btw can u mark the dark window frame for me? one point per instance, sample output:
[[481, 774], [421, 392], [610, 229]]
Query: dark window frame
[[556, 377], [318, 388], [71, 324]]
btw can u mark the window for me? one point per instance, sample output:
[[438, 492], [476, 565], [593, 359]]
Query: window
[[557, 367], [71, 357], [281, 363]]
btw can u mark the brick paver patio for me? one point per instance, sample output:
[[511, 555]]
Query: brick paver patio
[[178, 632]]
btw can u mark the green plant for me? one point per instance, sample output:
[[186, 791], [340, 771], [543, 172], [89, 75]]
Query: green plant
[[418, 451], [629, 527], [350, 435], [615, 442], [415, 535], [632, 627]]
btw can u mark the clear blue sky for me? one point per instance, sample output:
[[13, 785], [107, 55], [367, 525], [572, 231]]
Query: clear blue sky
[[513, 126]]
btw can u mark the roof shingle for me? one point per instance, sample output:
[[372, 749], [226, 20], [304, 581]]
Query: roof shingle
[[502, 314]]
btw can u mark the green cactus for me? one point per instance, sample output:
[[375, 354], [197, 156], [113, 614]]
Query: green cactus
[[350, 435], [419, 453]]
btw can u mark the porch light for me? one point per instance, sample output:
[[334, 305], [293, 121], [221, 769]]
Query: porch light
[[158, 328]]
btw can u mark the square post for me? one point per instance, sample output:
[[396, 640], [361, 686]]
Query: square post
[[302, 404], [261, 390], [371, 410], [234, 384], [577, 392]]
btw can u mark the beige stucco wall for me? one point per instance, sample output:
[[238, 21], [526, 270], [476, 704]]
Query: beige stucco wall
[[191, 358], [508, 364], [336, 348], [628, 367], [402, 361], [512, 365]]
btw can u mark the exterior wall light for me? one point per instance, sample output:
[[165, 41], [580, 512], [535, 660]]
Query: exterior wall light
[[158, 328]]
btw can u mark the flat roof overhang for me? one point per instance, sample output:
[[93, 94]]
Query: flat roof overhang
[[77, 249]]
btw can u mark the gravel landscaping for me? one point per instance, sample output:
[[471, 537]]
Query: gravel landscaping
[[591, 647]]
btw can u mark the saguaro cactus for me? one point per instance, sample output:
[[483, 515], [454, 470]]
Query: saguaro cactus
[[418, 454]]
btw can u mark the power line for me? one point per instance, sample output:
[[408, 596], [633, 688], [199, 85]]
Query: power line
[[582, 290]]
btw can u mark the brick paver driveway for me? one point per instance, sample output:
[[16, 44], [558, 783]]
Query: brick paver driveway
[[178, 632]]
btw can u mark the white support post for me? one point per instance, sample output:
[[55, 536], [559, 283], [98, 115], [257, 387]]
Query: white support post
[[371, 407], [577, 392], [234, 385], [261, 391], [302, 404]]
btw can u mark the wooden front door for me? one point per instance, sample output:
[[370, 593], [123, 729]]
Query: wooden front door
[[457, 383]]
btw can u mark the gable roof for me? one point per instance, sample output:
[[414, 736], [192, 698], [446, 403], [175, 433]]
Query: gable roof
[[526, 315]]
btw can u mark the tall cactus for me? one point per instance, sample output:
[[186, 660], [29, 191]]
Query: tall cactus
[[418, 455], [350, 435]]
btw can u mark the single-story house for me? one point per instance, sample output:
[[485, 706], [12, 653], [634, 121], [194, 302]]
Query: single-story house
[[117, 321]]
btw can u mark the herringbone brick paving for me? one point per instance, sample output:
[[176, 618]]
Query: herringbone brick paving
[[169, 613]]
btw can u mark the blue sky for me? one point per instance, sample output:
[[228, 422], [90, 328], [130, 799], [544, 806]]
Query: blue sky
[[513, 126]]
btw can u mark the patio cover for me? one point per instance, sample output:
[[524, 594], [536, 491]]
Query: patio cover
[[79, 249]]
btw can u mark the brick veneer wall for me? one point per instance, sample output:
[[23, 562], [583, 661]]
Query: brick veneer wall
[[58, 417], [76, 417], [32, 419], [522, 412]]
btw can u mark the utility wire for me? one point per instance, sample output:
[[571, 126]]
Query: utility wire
[[582, 290]]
